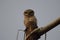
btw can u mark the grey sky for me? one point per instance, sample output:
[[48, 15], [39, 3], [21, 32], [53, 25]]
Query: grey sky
[[11, 17]]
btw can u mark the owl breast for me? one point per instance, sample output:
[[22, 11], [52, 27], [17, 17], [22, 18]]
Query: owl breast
[[31, 21]]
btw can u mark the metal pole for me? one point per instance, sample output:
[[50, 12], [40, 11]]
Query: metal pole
[[45, 36], [24, 36], [18, 34]]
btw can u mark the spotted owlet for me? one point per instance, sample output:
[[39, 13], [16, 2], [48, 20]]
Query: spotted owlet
[[30, 20], [30, 23]]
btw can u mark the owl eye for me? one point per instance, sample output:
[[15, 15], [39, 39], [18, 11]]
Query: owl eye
[[25, 12], [31, 12]]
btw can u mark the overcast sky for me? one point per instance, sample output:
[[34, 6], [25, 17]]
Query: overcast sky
[[11, 17]]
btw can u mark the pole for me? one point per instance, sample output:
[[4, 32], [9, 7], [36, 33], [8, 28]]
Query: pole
[[18, 34], [45, 36], [44, 29]]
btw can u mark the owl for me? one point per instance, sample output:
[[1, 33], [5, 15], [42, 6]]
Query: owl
[[30, 20], [30, 23]]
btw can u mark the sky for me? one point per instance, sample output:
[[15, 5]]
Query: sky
[[12, 18]]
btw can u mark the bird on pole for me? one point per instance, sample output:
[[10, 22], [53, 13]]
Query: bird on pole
[[32, 31], [30, 23]]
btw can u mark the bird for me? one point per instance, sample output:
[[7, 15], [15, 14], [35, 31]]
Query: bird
[[30, 21]]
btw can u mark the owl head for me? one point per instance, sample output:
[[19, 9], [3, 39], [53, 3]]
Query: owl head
[[29, 12]]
